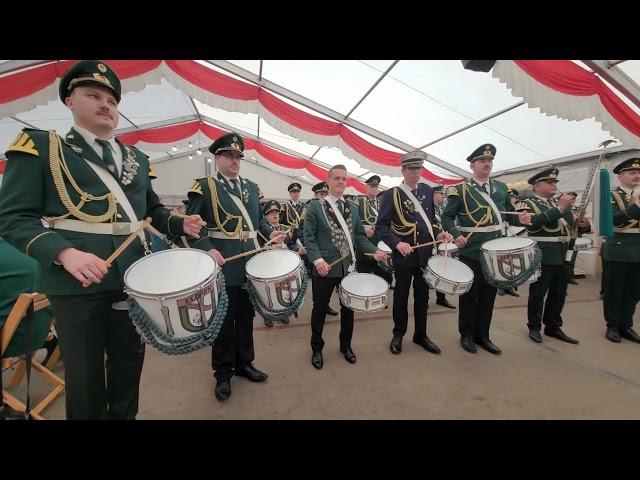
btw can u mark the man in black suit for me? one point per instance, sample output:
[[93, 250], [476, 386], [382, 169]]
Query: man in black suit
[[403, 224]]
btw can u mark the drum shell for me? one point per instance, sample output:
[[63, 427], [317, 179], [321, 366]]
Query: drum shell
[[278, 292], [443, 284], [363, 303], [504, 265]]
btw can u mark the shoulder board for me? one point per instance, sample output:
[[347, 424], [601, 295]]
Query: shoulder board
[[260, 194], [196, 188], [355, 201], [522, 206], [453, 192], [23, 143], [152, 172]]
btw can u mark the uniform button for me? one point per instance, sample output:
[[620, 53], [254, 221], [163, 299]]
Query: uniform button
[[118, 215]]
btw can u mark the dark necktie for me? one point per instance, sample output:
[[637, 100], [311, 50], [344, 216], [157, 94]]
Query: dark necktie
[[234, 186], [107, 157], [341, 206]]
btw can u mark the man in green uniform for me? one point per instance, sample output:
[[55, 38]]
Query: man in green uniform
[[476, 205], [69, 203], [332, 229], [230, 205], [550, 228], [369, 207], [622, 255]]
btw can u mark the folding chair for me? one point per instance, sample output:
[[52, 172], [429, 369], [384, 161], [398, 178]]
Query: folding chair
[[17, 314]]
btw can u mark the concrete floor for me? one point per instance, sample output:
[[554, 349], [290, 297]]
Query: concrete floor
[[594, 380]]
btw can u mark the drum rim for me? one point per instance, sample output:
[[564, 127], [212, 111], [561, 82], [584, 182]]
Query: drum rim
[[387, 248], [528, 247], [364, 296], [212, 277], [279, 277], [451, 259]]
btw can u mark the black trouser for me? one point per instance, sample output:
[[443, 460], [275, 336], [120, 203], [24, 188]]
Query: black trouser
[[554, 279], [404, 275], [621, 293], [322, 289], [88, 327], [603, 263], [440, 296], [233, 347], [366, 264], [476, 306]]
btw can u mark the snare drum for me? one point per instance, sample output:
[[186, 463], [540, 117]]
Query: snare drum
[[452, 249], [387, 265], [517, 231], [178, 289], [448, 275], [508, 257], [583, 244], [364, 292], [276, 275]]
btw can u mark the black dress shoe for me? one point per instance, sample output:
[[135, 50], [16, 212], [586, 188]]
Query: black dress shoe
[[535, 336], [468, 344], [295, 314], [331, 311], [445, 303], [268, 322], [396, 345], [560, 335], [285, 321], [612, 335], [223, 390], [500, 292], [427, 344], [252, 374], [512, 292], [630, 334], [573, 282], [349, 356], [488, 345], [316, 360]]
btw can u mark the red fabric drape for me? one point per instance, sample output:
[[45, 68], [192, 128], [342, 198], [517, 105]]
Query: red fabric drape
[[3, 164], [566, 77]]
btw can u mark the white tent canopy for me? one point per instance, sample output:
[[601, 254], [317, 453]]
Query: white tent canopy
[[394, 105]]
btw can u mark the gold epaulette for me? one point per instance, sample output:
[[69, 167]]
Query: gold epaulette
[[522, 206], [260, 194], [452, 192], [24, 144], [196, 188], [152, 172]]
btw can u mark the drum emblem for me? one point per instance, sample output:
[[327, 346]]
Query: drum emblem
[[511, 265], [287, 291], [196, 309]]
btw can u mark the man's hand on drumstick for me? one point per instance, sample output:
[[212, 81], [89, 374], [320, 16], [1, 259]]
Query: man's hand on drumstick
[[460, 242], [217, 256], [192, 224], [381, 256], [302, 250], [444, 237], [404, 248], [277, 236], [369, 231], [323, 268], [85, 267], [524, 218]]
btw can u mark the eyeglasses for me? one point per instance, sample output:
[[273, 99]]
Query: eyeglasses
[[234, 156]]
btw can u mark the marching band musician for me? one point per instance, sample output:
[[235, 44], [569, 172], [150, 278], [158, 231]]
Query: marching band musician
[[621, 275], [93, 191], [230, 205], [405, 220], [476, 205], [549, 227]]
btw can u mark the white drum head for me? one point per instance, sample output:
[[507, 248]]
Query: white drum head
[[272, 264], [170, 271], [384, 247], [364, 284], [450, 269], [507, 243], [583, 243]]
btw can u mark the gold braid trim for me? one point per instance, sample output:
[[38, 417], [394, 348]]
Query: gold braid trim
[[215, 203], [291, 221], [630, 222], [58, 166], [488, 212], [412, 227], [368, 219]]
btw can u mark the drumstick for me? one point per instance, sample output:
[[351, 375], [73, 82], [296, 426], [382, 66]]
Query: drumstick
[[240, 255], [426, 244], [123, 246], [515, 213], [338, 260], [446, 252]]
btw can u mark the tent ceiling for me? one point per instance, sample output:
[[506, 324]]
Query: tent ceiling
[[415, 103]]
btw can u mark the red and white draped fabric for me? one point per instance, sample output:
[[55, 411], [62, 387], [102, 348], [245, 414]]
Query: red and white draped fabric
[[28, 89], [564, 89]]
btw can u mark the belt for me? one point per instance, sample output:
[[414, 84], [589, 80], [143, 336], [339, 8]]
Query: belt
[[489, 228], [115, 228], [626, 230], [223, 236], [564, 239]]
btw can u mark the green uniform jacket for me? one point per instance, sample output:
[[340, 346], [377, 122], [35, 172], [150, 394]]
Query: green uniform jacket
[[318, 239], [623, 247], [288, 217], [466, 205], [368, 211], [28, 193], [545, 222], [215, 205], [18, 274]]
